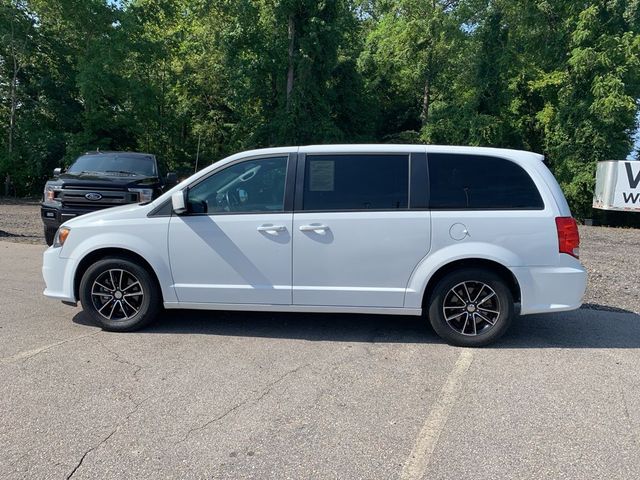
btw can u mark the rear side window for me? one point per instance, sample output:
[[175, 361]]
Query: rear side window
[[356, 182], [480, 182]]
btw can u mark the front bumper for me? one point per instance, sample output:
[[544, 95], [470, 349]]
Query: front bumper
[[55, 215], [552, 289], [58, 276]]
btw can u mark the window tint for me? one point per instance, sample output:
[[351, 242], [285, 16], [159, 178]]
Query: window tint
[[251, 186], [477, 182], [356, 182]]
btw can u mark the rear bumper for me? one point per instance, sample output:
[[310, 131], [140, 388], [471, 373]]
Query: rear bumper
[[552, 289], [57, 276]]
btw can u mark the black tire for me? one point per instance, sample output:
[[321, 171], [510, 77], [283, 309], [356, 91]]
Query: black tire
[[116, 303], [49, 234], [469, 295]]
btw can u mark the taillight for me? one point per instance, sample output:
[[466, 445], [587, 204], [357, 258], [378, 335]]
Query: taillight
[[568, 236]]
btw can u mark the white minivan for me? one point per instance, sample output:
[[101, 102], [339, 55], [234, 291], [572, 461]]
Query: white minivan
[[467, 236]]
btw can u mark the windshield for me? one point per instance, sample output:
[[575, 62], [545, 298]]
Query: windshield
[[115, 163]]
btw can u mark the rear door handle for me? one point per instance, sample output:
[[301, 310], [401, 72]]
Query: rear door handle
[[313, 228], [272, 229]]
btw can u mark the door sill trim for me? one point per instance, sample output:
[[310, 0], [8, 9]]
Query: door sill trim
[[259, 307]]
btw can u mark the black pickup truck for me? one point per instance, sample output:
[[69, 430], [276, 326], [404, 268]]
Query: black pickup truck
[[98, 180]]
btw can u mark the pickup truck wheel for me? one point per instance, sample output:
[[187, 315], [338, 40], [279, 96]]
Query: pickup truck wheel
[[49, 234], [471, 307], [119, 295]]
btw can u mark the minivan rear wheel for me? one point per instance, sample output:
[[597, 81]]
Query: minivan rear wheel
[[119, 295], [471, 307]]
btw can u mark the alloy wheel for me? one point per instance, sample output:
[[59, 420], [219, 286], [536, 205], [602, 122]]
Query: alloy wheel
[[117, 294], [471, 308]]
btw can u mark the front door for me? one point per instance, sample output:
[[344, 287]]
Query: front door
[[355, 239], [234, 244]]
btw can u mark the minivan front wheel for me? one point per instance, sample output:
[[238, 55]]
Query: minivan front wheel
[[119, 295], [471, 307]]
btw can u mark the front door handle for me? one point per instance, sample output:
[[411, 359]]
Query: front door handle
[[272, 229], [313, 228]]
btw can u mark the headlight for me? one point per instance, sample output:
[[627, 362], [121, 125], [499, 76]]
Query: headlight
[[61, 236], [50, 193], [144, 194]]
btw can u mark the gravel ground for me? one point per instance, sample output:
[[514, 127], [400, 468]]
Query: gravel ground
[[611, 255], [612, 258], [20, 221]]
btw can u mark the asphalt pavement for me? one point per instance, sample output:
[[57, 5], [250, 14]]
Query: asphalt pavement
[[221, 395]]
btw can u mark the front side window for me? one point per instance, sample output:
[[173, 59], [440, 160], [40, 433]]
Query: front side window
[[356, 182], [459, 182], [251, 186]]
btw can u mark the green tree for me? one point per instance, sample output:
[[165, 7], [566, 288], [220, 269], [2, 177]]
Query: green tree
[[182, 78], [590, 113]]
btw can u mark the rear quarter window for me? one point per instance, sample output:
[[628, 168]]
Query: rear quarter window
[[479, 182]]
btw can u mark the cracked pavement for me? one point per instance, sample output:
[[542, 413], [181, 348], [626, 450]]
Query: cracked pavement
[[224, 395]]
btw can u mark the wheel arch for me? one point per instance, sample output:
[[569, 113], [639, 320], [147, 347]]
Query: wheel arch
[[490, 265], [100, 253]]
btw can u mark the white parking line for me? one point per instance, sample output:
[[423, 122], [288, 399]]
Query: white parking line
[[418, 461], [30, 353]]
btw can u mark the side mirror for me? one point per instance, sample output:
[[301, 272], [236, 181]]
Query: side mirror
[[57, 172], [178, 202], [171, 179]]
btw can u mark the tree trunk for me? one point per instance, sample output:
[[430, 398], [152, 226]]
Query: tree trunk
[[12, 110], [292, 38], [426, 99], [13, 91], [13, 88]]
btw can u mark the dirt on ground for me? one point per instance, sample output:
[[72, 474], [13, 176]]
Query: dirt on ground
[[611, 255], [20, 221], [612, 258]]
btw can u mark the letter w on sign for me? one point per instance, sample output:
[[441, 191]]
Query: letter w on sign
[[633, 181]]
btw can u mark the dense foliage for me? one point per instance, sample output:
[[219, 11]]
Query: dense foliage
[[178, 77]]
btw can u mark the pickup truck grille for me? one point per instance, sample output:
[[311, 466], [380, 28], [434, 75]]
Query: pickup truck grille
[[103, 198]]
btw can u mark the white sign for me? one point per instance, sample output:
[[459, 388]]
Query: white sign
[[628, 185], [617, 186], [321, 176]]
